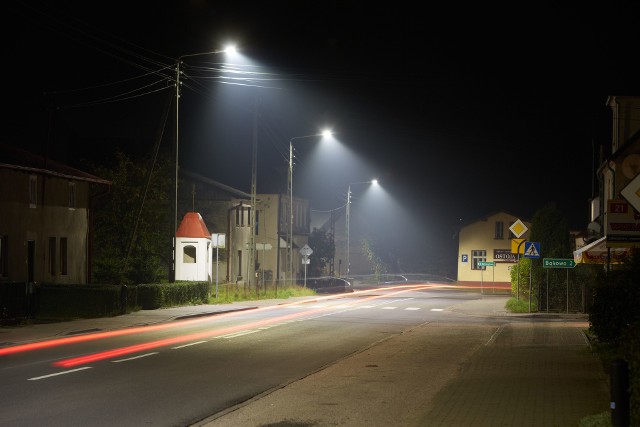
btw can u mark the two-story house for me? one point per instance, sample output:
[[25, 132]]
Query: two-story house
[[45, 219]]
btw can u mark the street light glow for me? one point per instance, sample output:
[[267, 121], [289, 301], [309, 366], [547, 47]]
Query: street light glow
[[325, 133], [348, 216]]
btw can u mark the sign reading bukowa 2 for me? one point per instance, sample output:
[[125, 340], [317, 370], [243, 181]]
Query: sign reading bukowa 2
[[558, 263]]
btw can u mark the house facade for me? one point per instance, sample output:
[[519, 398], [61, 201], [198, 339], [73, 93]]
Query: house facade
[[614, 227], [45, 219], [489, 239]]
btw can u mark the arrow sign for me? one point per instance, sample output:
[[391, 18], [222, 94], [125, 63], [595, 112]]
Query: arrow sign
[[558, 263]]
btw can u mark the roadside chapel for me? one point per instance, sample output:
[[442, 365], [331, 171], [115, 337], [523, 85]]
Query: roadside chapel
[[193, 249]]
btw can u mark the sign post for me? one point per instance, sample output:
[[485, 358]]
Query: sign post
[[306, 252], [486, 264], [218, 242], [518, 229], [565, 263]]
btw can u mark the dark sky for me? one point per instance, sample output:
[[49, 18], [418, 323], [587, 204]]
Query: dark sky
[[460, 110]]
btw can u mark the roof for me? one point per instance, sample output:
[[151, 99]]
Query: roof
[[208, 181], [17, 159], [192, 225]]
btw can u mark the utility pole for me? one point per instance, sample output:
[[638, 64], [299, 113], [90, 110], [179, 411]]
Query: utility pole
[[254, 179]]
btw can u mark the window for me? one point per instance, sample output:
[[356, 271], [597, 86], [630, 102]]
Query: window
[[240, 263], [63, 256], [243, 216], [4, 256], [33, 191], [52, 256], [189, 254], [72, 195], [477, 256], [499, 230]]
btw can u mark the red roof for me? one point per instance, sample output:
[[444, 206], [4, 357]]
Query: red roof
[[192, 225]]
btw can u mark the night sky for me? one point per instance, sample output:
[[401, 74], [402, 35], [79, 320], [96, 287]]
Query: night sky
[[460, 111]]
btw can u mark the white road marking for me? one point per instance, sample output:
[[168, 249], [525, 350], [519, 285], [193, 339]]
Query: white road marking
[[134, 358], [188, 345], [412, 308], [437, 309], [58, 373]]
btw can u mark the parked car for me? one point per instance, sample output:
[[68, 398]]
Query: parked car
[[329, 285]]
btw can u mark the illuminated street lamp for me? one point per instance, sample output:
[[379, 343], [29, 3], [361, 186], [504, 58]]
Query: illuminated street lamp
[[348, 214], [228, 49], [326, 133]]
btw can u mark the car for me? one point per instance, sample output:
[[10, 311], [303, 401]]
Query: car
[[329, 285]]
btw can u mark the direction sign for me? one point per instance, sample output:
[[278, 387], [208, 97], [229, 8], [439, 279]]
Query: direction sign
[[306, 251], [486, 263], [531, 250], [558, 263]]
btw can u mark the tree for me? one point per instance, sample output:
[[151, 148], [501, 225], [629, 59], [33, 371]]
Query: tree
[[130, 243], [372, 252], [323, 248], [550, 228]]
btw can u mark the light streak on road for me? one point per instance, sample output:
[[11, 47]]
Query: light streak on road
[[150, 328], [118, 352]]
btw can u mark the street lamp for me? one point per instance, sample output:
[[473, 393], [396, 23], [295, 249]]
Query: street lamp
[[348, 214], [326, 133], [228, 49]]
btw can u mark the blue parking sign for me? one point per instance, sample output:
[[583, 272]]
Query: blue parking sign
[[464, 258]]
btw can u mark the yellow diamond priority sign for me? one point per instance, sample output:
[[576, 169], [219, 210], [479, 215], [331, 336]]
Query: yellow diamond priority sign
[[518, 228]]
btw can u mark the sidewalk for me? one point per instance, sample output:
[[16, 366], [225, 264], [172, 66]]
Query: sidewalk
[[533, 369]]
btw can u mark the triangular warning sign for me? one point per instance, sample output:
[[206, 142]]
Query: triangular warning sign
[[531, 251]]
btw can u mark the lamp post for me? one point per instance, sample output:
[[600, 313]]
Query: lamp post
[[228, 49], [348, 215], [325, 133]]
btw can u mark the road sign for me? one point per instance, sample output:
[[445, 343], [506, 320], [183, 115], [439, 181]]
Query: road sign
[[306, 251], [531, 250], [517, 246], [486, 263], [631, 192], [518, 228], [558, 263]]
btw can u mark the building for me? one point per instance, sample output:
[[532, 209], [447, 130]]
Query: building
[[227, 211], [489, 239], [45, 219], [614, 223]]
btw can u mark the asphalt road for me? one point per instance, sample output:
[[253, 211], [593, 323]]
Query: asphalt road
[[210, 369]]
